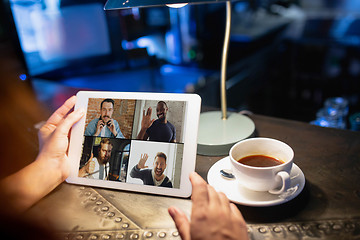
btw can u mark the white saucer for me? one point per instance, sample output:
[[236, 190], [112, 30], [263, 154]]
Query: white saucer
[[238, 194]]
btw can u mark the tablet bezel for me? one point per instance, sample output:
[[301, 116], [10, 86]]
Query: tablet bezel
[[191, 121]]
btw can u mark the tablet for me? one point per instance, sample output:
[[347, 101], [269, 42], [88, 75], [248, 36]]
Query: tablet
[[143, 142]]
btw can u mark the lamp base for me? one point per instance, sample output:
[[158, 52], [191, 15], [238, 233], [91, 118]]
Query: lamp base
[[216, 135]]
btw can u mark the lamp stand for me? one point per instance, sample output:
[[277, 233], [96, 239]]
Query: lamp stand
[[219, 131]]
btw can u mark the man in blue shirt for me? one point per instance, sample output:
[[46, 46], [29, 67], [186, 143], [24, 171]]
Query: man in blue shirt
[[159, 130], [104, 126]]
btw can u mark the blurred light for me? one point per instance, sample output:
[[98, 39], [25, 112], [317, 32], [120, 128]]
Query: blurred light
[[142, 42], [341, 26], [136, 13], [241, 6], [172, 48], [23, 77], [127, 45], [323, 123], [167, 69], [333, 114], [177, 5], [148, 43]]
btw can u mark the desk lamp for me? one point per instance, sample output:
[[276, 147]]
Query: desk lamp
[[218, 130]]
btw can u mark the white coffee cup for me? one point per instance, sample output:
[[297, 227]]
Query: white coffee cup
[[274, 179]]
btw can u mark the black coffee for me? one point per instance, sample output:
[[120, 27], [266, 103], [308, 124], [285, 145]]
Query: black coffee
[[260, 161]]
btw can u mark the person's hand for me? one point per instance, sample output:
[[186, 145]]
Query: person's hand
[[89, 167], [213, 217], [143, 158], [24, 188], [146, 121], [53, 136], [51, 124], [111, 126], [99, 126]]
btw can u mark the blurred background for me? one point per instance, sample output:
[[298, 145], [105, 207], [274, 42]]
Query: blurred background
[[286, 57]]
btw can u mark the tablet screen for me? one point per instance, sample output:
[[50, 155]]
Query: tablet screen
[[134, 141]]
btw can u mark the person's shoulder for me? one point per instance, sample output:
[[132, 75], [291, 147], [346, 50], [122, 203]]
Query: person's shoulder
[[91, 127], [170, 124], [95, 120], [135, 167], [168, 179], [167, 182], [147, 170], [155, 123]]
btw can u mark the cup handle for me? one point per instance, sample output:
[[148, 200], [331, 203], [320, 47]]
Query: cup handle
[[285, 181]]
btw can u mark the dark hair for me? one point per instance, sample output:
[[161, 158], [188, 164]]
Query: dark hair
[[107, 100], [105, 141], [163, 103], [162, 155]]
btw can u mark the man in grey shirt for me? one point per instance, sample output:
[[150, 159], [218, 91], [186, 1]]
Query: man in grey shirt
[[155, 176]]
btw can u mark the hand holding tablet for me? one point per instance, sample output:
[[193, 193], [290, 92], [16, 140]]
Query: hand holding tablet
[[18, 192], [143, 142]]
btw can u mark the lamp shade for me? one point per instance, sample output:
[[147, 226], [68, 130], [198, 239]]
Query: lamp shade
[[119, 4]]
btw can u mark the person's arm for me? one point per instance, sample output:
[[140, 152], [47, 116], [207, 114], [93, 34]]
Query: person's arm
[[119, 133], [92, 127], [213, 217], [88, 168], [136, 170], [146, 122], [173, 140], [98, 125], [142, 135], [24, 188], [112, 127]]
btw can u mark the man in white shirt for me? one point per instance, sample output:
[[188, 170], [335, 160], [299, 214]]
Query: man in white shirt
[[98, 167]]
